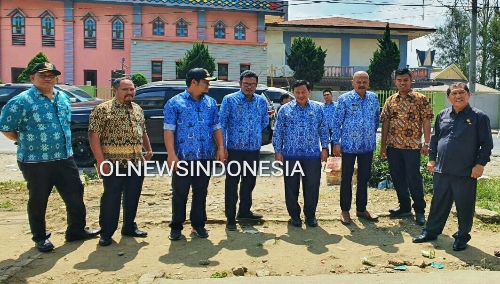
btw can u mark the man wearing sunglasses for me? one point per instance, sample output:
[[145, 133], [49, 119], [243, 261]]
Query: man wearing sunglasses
[[39, 120], [243, 116]]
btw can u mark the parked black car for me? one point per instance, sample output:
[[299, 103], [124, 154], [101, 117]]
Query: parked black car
[[78, 97], [152, 98], [274, 95], [82, 104]]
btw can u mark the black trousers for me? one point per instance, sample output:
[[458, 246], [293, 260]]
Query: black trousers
[[181, 184], [364, 171], [310, 186], [404, 166], [41, 178], [236, 162], [449, 188], [131, 186]]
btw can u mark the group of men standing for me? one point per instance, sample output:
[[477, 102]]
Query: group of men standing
[[195, 131]]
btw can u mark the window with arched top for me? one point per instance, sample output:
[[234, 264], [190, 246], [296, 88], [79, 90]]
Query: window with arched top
[[158, 27], [118, 29], [89, 31], [18, 22], [181, 28], [219, 29], [117, 32], [48, 29], [239, 32]]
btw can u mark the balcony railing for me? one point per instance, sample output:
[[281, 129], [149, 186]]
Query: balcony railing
[[339, 71]]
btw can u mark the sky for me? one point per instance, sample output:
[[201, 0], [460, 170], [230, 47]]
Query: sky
[[432, 15]]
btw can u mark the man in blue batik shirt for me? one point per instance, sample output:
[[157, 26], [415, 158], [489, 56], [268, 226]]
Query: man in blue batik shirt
[[39, 120], [355, 126], [190, 125], [329, 109], [300, 141], [243, 116]]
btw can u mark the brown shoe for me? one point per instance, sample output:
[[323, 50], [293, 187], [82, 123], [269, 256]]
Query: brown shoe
[[367, 215], [345, 218]]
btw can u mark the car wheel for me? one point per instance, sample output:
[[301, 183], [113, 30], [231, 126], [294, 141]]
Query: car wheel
[[81, 149]]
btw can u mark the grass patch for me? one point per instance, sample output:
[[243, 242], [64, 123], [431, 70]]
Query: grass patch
[[6, 205], [218, 274], [12, 185], [488, 194]]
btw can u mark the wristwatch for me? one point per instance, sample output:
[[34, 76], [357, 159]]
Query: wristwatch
[[426, 144], [150, 153]]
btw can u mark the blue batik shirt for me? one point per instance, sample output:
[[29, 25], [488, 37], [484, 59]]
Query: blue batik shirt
[[242, 121], [300, 132], [43, 125], [193, 124], [355, 123], [329, 110]]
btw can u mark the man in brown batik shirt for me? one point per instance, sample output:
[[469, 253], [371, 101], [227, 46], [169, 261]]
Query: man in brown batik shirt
[[405, 116], [117, 134]]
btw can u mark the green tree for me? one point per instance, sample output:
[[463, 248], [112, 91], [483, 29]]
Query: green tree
[[452, 41], [494, 62], [197, 57], [307, 60], [25, 75], [139, 79], [385, 60]]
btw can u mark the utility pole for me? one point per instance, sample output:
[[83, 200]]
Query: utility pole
[[473, 43]]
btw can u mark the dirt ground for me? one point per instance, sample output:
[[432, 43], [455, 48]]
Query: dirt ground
[[263, 249]]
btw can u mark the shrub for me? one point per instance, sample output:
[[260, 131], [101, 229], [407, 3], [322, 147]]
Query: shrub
[[380, 171]]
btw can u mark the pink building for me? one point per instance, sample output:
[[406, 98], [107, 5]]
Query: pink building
[[88, 40]]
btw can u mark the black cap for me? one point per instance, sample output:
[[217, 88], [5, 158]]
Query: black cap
[[45, 67], [199, 73]]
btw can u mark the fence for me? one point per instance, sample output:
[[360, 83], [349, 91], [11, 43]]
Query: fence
[[99, 92], [437, 99]]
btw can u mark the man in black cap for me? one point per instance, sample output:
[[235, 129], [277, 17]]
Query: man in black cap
[[190, 125], [39, 120]]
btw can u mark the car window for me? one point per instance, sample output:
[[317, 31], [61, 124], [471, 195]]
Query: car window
[[150, 99], [78, 93], [219, 93], [7, 92]]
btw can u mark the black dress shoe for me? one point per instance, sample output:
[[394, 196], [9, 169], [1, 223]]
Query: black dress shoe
[[312, 222], [420, 219], [395, 212], [249, 216], [104, 242], [296, 222], [135, 233], [87, 234], [422, 238], [44, 246], [459, 246], [231, 225]]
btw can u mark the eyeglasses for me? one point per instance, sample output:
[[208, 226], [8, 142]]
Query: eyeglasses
[[253, 85]]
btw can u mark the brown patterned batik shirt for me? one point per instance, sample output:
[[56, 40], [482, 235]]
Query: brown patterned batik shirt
[[406, 116], [120, 127]]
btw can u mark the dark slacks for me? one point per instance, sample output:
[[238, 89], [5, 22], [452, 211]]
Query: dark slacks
[[41, 178], [131, 186], [310, 186], [364, 171], [404, 166], [236, 161], [181, 184], [449, 188]]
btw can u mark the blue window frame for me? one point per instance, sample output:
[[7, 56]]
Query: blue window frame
[[239, 32], [18, 24], [158, 27], [48, 26], [118, 29], [181, 29], [89, 28], [220, 31]]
